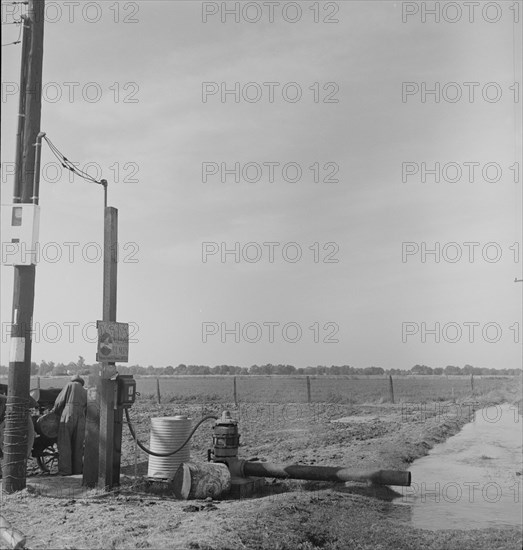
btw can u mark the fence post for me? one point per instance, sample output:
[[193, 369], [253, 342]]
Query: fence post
[[235, 391], [158, 391], [472, 382], [135, 461], [391, 389], [38, 382], [308, 389]]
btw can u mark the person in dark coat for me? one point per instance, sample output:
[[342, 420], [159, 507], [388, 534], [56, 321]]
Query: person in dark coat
[[71, 406]]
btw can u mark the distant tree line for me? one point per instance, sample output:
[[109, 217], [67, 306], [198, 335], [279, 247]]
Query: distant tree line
[[49, 368]]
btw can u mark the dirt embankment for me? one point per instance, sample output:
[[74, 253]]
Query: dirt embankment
[[289, 514]]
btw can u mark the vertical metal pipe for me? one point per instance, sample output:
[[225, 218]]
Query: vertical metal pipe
[[104, 183], [26, 36], [36, 179]]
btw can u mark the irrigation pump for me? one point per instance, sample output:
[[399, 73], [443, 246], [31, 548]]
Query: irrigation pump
[[245, 474]]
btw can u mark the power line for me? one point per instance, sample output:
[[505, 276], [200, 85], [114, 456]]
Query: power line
[[69, 165], [17, 41]]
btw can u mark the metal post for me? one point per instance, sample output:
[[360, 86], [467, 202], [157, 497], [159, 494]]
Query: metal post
[[16, 436], [36, 178], [104, 183], [308, 389]]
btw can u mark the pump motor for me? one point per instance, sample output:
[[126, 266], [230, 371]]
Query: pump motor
[[225, 439]]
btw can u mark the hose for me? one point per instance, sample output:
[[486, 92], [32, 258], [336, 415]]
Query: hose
[[148, 451]]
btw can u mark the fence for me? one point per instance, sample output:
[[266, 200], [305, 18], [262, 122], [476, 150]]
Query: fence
[[303, 389]]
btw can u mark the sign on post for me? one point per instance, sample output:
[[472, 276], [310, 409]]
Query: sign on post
[[113, 342]]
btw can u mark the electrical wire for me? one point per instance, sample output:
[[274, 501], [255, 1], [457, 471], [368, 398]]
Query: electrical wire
[[17, 41], [69, 165], [149, 452], [14, 3]]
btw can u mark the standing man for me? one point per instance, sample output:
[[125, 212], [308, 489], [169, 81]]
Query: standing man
[[71, 406]]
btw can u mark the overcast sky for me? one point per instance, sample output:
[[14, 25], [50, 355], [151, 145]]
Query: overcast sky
[[157, 120]]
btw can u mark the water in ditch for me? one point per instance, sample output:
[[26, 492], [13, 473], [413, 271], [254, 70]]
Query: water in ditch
[[474, 479]]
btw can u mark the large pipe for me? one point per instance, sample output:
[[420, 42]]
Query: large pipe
[[319, 473]]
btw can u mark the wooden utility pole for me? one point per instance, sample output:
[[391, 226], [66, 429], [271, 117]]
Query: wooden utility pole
[[17, 410], [102, 437], [111, 418]]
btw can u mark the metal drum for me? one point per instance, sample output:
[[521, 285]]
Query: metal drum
[[48, 424], [167, 434]]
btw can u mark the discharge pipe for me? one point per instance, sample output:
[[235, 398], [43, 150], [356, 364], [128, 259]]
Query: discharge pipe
[[322, 473]]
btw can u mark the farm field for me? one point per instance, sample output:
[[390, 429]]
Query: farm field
[[286, 514], [293, 389]]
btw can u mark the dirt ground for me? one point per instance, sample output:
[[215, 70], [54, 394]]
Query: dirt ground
[[287, 514]]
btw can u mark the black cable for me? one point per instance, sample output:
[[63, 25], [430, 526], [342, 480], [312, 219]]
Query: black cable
[[148, 451], [17, 41], [68, 165]]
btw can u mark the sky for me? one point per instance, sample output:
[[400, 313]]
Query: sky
[[336, 170]]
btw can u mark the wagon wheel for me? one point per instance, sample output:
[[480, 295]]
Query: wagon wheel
[[47, 459]]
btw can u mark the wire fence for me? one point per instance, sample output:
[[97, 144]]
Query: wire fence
[[303, 389]]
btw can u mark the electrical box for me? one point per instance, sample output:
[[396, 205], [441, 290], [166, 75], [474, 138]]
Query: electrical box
[[126, 392], [19, 233]]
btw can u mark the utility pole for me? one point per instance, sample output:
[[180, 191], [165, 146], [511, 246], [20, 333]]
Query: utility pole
[[101, 416], [17, 410], [110, 419]]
